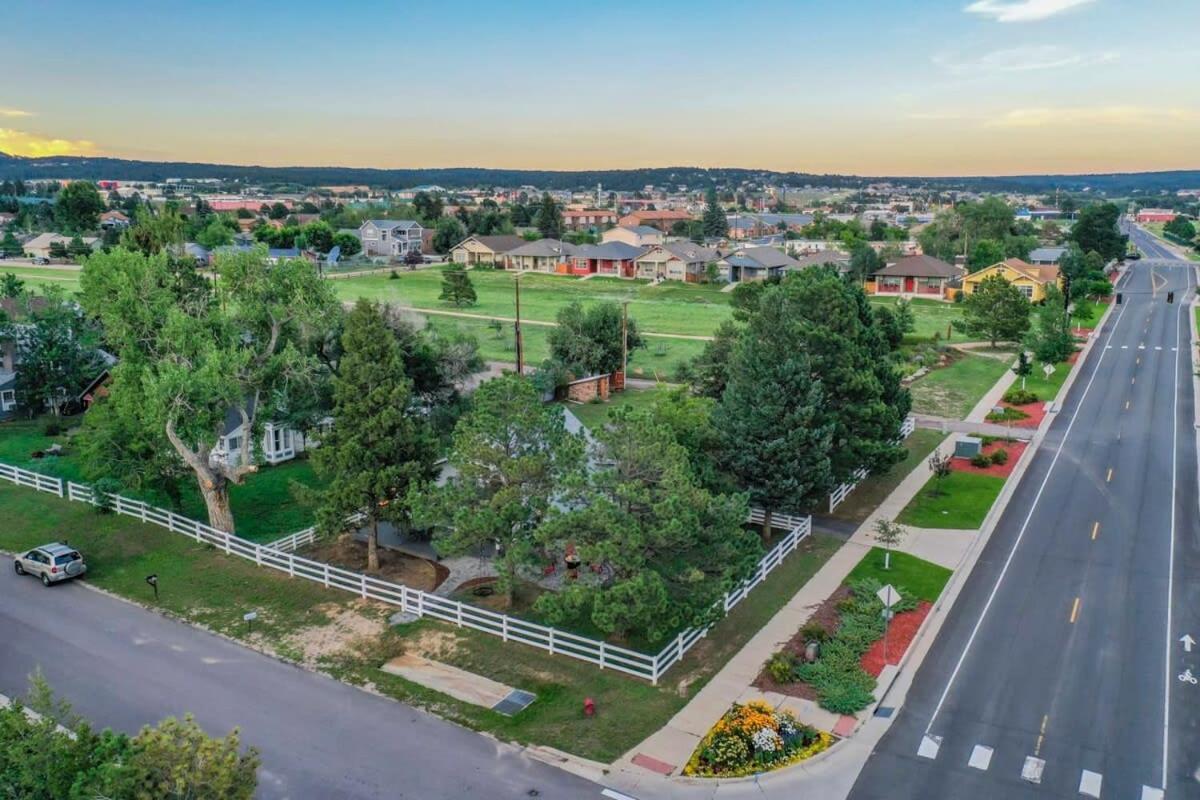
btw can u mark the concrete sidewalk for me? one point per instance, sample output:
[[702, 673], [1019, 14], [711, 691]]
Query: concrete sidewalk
[[949, 426], [673, 744]]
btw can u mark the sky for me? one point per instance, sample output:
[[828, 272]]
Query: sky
[[868, 87]]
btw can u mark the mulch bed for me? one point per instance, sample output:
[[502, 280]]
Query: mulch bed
[[1035, 413], [828, 617], [901, 631], [348, 553], [1074, 357], [1015, 449]]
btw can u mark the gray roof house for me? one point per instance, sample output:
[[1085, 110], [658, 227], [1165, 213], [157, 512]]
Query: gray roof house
[[543, 255], [676, 261], [918, 275], [1046, 256], [391, 238], [488, 250], [755, 263]]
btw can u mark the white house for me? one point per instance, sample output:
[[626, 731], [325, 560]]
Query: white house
[[280, 442]]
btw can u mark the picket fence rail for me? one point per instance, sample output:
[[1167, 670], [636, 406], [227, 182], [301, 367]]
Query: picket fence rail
[[839, 494], [278, 556]]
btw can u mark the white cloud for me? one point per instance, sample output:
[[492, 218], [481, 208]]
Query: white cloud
[[1022, 10], [1026, 58], [14, 112], [1126, 116]]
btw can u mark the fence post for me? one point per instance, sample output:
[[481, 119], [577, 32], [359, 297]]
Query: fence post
[[258, 555], [458, 613], [292, 565], [363, 584], [601, 654], [504, 628], [679, 647], [326, 576], [420, 604], [60, 487], [228, 548], [551, 641]]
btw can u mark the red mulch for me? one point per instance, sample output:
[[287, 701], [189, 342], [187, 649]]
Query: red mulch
[[1035, 412], [1074, 357], [999, 470], [901, 631]]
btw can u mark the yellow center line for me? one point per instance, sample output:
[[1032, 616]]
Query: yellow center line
[[1075, 611], [1037, 749], [1095, 533], [1108, 477]]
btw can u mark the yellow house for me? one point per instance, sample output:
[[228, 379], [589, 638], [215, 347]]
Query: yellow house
[[1030, 279]]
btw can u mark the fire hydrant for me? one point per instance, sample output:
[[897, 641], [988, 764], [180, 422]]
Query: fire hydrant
[[589, 707]]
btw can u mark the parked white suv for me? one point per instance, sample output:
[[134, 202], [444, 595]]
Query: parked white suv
[[51, 562]]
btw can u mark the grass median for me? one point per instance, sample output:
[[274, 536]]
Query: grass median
[[961, 500], [952, 391]]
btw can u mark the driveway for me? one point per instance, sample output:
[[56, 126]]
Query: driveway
[[123, 667]]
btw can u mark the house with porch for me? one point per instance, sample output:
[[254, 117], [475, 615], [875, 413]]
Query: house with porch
[[675, 261], [1030, 279], [918, 276], [589, 219], [488, 251], [280, 442], [543, 255], [755, 264], [611, 258], [391, 238]]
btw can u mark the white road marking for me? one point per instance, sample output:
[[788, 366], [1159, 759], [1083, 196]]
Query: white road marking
[[1032, 770], [1024, 526], [1158, 347], [1150, 793], [1141, 347], [929, 746], [1089, 783], [981, 757], [615, 795], [1123, 347]]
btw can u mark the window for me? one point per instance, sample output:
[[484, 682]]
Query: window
[[1027, 291], [8, 400], [232, 443]]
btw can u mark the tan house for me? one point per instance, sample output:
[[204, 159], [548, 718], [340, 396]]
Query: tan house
[[1031, 280], [39, 246], [918, 276], [663, 220], [588, 219], [637, 235], [484, 250], [544, 255], [675, 261]]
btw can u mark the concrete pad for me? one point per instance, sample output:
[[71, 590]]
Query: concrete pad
[[1150, 793], [929, 747], [458, 683], [981, 757]]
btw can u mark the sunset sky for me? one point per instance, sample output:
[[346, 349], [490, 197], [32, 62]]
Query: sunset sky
[[878, 87]]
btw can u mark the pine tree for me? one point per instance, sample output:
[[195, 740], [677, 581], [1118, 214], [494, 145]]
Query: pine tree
[[377, 447], [550, 221], [457, 287], [715, 224]]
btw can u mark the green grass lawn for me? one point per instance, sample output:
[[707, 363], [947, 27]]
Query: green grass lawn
[[594, 415], [962, 501], [1046, 388], [930, 317], [1087, 313], [859, 504], [198, 583], [922, 579], [35, 276], [954, 390], [263, 506]]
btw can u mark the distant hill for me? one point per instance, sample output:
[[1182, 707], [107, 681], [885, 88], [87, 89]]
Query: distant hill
[[12, 167]]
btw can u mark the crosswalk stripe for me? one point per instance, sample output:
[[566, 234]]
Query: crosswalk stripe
[[929, 746], [1089, 783], [981, 757], [1150, 793], [1032, 770], [1158, 347], [1124, 347]]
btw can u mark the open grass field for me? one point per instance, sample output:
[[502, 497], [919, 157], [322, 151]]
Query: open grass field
[[924, 580], [263, 506], [953, 391], [198, 583], [593, 415], [859, 504], [961, 501], [36, 277], [930, 317]]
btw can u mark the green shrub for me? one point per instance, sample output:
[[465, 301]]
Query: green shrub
[[1000, 457], [813, 632], [1020, 397], [393, 276], [782, 667], [981, 460], [53, 428]]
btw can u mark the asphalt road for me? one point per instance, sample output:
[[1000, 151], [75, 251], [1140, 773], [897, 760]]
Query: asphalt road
[[1063, 646], [123, 667]]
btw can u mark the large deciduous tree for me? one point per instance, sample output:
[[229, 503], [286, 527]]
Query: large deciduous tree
[[588, 341], [1096, 230], [78, 207], [664, 550], [511, 454], [996, 311], [379, 446], [200, 356]]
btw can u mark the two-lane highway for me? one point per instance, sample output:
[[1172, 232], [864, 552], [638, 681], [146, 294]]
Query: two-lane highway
[[1056, 674], [124, 667]]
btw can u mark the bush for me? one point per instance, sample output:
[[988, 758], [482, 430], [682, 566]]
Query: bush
[[1020, 397], [813, 632], [1007, 415], [53, 428], [981, 460], [393, 276], [1000, 457], [782, 667], [101, 489]]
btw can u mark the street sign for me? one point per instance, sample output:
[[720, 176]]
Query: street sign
[[250, 616], [888, 596], [1188, 641], [1048, 369]]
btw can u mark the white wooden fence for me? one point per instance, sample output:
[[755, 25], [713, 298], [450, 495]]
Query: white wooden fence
[[278, 555], [839, 494]]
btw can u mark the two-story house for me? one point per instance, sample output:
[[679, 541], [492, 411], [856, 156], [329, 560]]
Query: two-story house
[[390, 238]]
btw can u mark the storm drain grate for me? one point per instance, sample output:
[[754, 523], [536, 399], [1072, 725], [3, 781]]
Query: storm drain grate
[[516, 701]]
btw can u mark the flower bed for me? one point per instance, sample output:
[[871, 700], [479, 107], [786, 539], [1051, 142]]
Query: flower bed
[[754, 738], [1033, 413], [902, 630], [995, 466]]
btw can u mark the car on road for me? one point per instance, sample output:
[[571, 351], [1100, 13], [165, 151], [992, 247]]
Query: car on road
[[1134, 256], [40, 261], [51, 562]]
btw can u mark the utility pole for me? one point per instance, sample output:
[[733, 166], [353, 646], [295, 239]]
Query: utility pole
[[624, 341], [517, 328]]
